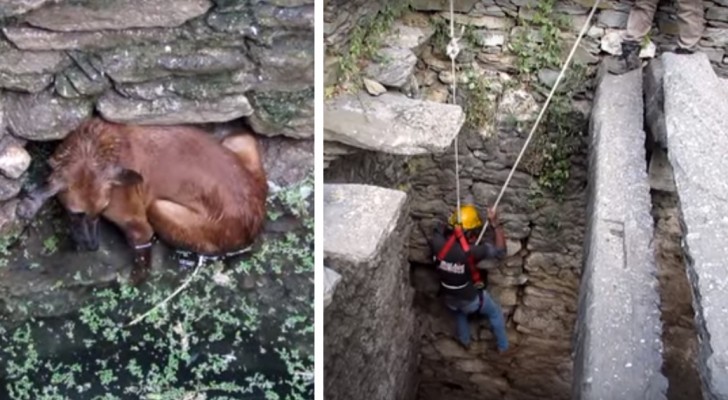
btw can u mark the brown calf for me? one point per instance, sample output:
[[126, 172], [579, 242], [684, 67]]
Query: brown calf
[[176, 182]]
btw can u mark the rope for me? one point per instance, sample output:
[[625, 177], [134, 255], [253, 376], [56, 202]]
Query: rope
[[535, 125], [453, 49]]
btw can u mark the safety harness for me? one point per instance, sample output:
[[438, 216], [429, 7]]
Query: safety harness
[[459, 235]]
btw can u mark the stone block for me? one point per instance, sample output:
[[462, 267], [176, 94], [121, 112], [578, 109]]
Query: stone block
[[696, 103], [618, 343], [392, 123], [370, 337]]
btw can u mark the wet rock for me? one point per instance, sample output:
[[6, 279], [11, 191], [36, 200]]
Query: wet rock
[[74, 82], [9, 188], [373, 87], [43, 116], [29, 83], [392, 123], [287, 63], [14, 159], [139, 64], [172, 109], [9, 8], [199, 87], [116, 14], [283, 113], [392, 67]]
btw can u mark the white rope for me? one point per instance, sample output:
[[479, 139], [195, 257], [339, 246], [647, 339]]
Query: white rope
[[540, 115], [453, 49]]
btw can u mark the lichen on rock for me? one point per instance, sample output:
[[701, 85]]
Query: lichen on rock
[[283, 113]]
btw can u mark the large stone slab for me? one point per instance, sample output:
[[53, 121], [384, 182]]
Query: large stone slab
[[116, 14], [696, 103], [392, 123], [370, 330], [358, 218], [619, 329], [144, 63], [172, 110]]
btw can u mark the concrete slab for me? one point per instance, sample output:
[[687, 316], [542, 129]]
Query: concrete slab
[[696, 105], [619, 330]]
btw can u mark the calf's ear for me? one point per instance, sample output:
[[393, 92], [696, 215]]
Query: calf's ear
[[124, 177]]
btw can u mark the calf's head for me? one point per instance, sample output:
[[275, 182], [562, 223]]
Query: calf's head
[[84, 189]]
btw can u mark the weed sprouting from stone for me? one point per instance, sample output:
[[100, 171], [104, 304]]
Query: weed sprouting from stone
[[538, 44], [365, 40]]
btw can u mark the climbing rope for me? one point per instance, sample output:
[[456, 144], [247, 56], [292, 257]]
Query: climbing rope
[[452, 50]]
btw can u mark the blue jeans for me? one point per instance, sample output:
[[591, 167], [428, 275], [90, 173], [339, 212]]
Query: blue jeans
[[490, 309]]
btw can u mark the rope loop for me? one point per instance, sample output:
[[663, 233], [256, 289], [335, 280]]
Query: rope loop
[[453, 48]]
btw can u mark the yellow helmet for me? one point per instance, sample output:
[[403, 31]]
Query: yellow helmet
[[470, 217]]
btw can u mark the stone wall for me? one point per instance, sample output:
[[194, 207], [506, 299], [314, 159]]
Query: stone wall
[[143, 62], [369, 324]]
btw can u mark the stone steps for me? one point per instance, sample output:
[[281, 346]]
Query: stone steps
[[695, 107], [619, 330]]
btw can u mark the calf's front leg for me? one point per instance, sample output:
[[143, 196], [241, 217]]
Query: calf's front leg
[[139, 235], [126, 209]]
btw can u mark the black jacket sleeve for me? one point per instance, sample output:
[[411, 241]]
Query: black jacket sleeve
[[438, 239], [486, 250]]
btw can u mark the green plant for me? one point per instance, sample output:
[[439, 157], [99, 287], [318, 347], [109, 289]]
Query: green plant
[[217, 339], [531, 53], [479, 109], [558, 138], [50, 245], [365, 40]]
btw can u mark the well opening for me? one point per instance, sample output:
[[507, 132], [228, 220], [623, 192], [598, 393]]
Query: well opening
[[505, 71]]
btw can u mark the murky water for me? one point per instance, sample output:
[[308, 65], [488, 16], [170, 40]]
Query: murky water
[[242, 329]]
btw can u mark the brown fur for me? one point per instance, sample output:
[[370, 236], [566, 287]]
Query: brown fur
[[195, 193]]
